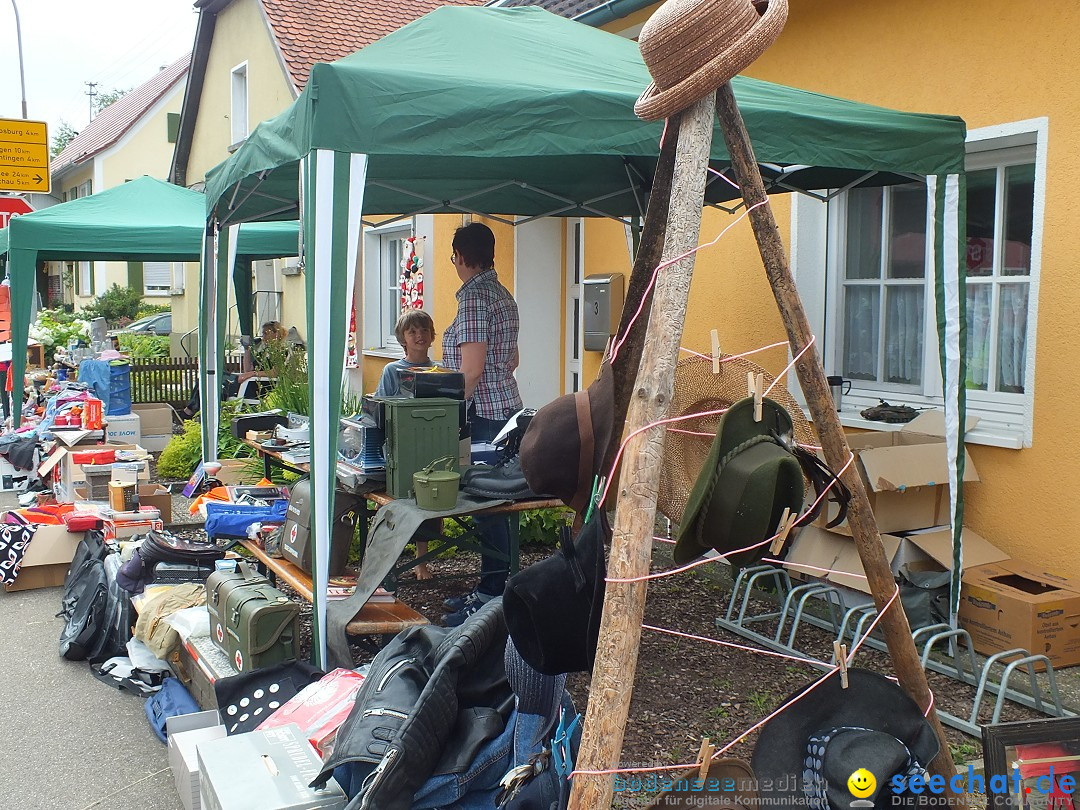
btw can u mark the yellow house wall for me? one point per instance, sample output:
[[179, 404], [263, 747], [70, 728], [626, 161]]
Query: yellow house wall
[[995, 65]]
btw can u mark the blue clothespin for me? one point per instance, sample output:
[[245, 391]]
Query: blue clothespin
[[562, 753]]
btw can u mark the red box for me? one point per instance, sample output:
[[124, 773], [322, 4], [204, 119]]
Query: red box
[[320, 708], [103, 456]]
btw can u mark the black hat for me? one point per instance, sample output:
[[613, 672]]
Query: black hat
[[815, 748], [553, 607]]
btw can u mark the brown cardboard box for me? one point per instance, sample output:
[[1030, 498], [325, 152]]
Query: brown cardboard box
[[815, 549], [237, 471], [906, 475], [156, 422], [46, 561], [1010, 604], [157, 496]]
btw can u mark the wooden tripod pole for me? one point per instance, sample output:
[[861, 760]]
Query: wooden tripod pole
[[894, 623], [635, 516]]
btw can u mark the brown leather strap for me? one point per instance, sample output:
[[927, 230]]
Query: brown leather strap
[[586, 449]]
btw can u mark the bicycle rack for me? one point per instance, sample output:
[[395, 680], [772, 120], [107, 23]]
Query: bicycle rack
[[855, 623]]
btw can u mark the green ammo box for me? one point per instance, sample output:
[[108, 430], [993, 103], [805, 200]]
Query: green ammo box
[[418, 431]]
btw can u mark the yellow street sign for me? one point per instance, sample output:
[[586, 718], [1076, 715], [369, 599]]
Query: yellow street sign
[[24, 156]]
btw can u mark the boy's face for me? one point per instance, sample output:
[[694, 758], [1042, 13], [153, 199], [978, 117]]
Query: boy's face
[[418, 340]]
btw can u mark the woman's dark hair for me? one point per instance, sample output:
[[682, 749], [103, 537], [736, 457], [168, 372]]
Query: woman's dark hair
[[476, 244]]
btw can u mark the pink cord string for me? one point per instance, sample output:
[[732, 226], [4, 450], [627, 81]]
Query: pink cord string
[[789, 366], [725, 178], [618, 344], [719, 643]]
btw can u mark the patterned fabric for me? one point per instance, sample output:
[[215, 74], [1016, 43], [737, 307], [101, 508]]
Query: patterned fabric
[[814, 781], [13, 542], [487, 313]]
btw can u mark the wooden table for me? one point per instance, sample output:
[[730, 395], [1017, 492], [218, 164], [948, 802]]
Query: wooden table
[[374, 618], [467, 540]]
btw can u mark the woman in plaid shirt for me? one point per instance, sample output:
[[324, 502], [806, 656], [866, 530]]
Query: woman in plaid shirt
[[482, 344]]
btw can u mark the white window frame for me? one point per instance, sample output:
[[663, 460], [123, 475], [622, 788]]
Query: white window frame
[[238, 104], [379, 275], [1005, 419]]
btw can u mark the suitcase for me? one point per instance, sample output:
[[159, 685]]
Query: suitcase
[[218, 587], [296, 536], [262, 627]]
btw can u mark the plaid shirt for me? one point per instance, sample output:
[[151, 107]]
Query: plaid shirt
[[487, 313]]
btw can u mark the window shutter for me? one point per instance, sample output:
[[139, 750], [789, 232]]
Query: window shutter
[[93, 285], [135, 275], [172, 125], [157, 276]]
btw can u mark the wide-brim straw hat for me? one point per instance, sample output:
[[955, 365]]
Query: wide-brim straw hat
[[698, 390], [691, 47]]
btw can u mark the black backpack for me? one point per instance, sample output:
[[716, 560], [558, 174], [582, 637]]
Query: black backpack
[[86, 601], [98, 611]]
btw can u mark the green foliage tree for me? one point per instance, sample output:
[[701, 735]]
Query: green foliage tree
[[107, 97], [62, 136], [115, 304]]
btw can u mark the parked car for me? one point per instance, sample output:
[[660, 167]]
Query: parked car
[[158, 324]]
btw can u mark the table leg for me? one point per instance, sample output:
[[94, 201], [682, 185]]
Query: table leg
[[267, 467]]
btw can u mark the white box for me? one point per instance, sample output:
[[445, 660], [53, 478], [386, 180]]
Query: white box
[[185, 733], [264, 770], [11, 478], [125, 428]]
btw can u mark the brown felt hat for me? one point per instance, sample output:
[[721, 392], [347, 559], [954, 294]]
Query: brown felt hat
[[691, 47], [564, 445], [729, 783]]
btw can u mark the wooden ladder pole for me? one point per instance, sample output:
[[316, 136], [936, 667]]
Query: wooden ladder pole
[[635, 517], [894, 623]]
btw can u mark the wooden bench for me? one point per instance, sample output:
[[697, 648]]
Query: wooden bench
[[374, 618]]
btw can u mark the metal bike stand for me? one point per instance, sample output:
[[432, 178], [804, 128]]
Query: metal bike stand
[[855, 624]]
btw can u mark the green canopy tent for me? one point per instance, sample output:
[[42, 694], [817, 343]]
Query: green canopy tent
[[145, 219], [518, 111]]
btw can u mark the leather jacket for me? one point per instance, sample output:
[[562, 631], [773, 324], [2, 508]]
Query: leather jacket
[[431, 699]]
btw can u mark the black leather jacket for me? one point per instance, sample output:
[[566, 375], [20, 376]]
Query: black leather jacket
[[431, 699]]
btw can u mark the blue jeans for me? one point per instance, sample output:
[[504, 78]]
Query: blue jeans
[[494, 531]]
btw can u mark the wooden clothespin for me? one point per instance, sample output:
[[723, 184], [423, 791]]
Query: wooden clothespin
[[704, 758], [755, 387], [715, 351], [783, 529], [840, 654]]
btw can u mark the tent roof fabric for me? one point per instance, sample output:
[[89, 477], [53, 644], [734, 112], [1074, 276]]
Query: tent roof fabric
[[536, 117], [144, 219]]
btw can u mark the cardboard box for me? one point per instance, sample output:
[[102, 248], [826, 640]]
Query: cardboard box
[[12, 479], [121, 530], [185, 733], [125, 428], [67, 474], [159, 497], [156, 423], [1010, 604], [237, 471], [835, 558], [269, 770], [46, 560], [155, 418], [906, 475]]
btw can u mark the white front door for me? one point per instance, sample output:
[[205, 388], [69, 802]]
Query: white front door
[[537, 290]]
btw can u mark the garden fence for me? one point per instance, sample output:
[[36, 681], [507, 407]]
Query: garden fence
[[168, 379]]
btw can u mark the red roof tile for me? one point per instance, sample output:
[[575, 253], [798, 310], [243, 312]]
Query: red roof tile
[[116, 119], [309, 32]]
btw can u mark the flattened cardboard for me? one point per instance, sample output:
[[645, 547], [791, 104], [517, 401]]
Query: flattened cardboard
[[154, 418], [937, 545], [1009, 605]]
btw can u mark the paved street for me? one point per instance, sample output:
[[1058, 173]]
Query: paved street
[[69, 741]]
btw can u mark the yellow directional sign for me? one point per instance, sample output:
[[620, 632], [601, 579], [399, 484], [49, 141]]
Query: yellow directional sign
[[24, 156]]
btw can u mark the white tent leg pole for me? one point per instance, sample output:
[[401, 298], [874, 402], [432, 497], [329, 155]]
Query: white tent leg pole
[[332, 200], [209, 384], [946, 194]]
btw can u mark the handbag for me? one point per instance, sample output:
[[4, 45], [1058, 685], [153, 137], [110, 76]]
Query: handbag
[[925, 596], [172, 699]]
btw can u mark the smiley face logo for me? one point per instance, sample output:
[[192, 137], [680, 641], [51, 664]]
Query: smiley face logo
[[861, 783]]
